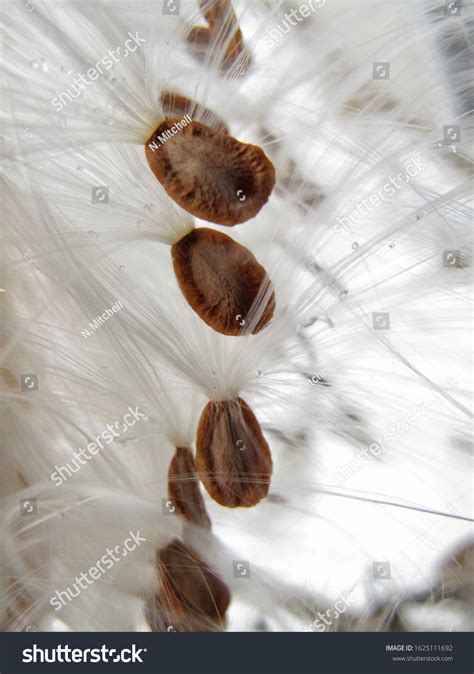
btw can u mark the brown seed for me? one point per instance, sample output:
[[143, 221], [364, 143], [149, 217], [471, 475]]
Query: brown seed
[[232, 456], [223, 282], [211, 175], [200, 42], [193, 598], [184, 490], [224, 33], [217, 12], [174, 104]]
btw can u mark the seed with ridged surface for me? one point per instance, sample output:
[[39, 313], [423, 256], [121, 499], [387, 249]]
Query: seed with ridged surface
[[232, 456], [223, 282], [210, 174]]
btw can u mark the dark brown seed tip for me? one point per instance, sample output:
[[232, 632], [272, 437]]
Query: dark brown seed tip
[[183, 489], [193, 598], [211, 175], [232, 456], [223, 282]]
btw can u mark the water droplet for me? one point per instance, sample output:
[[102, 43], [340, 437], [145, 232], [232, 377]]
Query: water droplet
[[122, 267], [259, 373], [343, 294], [391, 245], [355, 245], [79, 167], [93, 234], [42, 63], [150, 208], [28, 257]]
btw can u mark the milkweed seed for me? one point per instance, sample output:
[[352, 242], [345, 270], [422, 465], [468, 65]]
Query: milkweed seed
[[217, 12], [232, 456], [183, 489], [211, 175], [200, 42], [224, 33], [193, 598], [223, 282], [175, 104]]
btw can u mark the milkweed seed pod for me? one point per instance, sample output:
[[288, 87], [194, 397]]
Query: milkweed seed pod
[[273, 418]]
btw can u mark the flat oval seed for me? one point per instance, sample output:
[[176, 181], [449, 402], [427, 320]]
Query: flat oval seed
[[232, 456], [183, 489], [211, 175], [223, 282], [193, 598], [174, 104]]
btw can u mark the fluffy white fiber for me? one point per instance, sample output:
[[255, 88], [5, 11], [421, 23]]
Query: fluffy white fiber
[[322, 378]]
